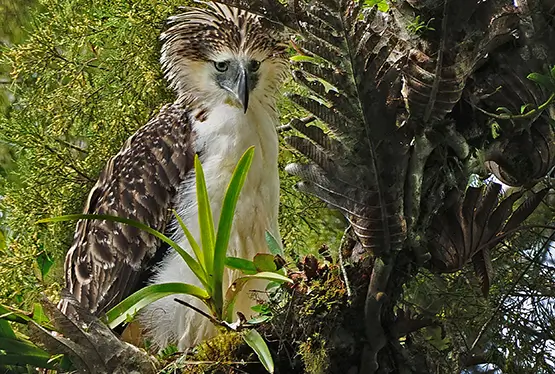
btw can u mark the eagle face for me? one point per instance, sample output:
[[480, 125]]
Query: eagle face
[[218, 55], [237, 77]]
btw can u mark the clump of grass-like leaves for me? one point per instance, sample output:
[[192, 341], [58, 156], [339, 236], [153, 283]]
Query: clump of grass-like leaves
[[208, 264]]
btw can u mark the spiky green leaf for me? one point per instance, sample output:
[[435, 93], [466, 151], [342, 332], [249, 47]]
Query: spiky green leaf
[[145, 296], [205, 218], [236, 263], [259, 346], [192, 242], [226, 220]]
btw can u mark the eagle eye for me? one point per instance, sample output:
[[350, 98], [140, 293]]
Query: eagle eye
[[221, 66], [254, 65]]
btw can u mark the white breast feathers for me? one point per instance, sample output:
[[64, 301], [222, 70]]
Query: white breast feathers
[[220, 141]]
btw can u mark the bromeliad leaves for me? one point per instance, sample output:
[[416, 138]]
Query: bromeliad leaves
[[471, 228]]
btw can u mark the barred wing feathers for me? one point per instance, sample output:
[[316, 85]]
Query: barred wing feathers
[[106, 259]]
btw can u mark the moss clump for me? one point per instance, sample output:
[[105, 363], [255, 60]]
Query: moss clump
[[324, 298], [314, 354], [304, 329], [223, 353], [320, 306]]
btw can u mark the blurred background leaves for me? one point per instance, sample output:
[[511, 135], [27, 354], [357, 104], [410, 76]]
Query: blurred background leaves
[[77, 79]]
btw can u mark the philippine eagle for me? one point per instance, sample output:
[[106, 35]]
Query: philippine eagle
[[225, 68]]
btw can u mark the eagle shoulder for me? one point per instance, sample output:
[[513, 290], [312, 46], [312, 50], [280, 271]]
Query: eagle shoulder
[[106, 258]]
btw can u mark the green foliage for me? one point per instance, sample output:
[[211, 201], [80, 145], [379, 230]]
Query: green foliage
[[305, 222], [210, 261], [545, 80], [418, 26], [17, 353], [383, 5], [256, 342], [529, 110], [124, 311], [14, 22], [85, 79]]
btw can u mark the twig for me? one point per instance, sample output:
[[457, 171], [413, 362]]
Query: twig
[[284, 128], [218, 362], [201, 312], [342, 263], [72, 146], [531, 113], [506, 296]]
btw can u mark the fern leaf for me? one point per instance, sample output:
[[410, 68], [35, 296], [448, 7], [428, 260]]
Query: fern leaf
[[337, 100], [484, 269], [467, 212], [498, 218], [313, 152], [488, 203], [525, 209], [337, 76], [314, 47], [337, 123], [331, 146]]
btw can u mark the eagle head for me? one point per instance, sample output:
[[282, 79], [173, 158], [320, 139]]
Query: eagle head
[[218, 54]]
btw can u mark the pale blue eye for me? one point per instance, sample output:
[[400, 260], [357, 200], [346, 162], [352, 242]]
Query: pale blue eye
[[221, 66]]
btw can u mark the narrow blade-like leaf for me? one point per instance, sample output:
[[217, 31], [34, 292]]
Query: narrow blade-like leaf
[[148, 295], [191, 262], [44, 264], [543, 80], [9, 314], [484, 269], [21, 353], [6, 330], [192, 242], [226, 220], [236, 263], [259, 346], [205, 219]]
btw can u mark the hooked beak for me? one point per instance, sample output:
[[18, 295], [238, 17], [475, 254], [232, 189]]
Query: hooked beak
[[241, 89]]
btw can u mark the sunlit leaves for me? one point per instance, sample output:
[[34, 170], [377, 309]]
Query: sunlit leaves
[[148, 295], [85, 79], [382, 5]]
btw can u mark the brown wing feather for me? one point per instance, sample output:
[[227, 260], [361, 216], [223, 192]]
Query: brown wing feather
[[105, 261]]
